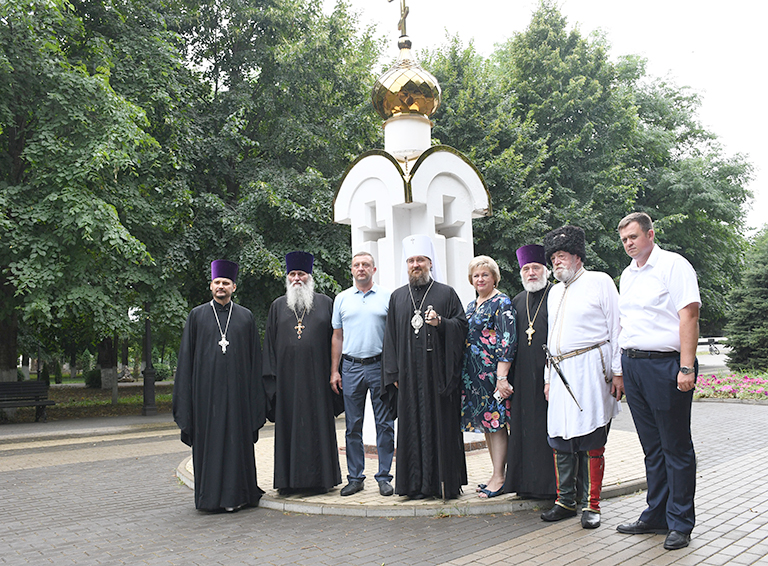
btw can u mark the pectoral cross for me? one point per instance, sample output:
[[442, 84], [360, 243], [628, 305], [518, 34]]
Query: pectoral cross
[[223, 343], [530, 332], [299, 327]]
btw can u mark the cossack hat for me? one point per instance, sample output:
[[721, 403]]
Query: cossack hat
[[224, 268], [569, 239], [532, 253], [299, 261]]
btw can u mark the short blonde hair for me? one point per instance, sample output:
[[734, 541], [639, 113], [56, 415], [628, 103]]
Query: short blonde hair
[[484, 261]]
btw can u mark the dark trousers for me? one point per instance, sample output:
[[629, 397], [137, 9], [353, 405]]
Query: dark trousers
[[356, 380], [662, 416]]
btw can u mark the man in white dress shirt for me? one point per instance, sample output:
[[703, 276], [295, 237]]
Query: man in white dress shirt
[[583, 332], [659, 307]]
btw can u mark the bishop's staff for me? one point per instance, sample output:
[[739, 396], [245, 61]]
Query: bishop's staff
[[553, 362]]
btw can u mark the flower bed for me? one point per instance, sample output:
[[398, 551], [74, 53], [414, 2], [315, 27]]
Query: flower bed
[[732, 386]]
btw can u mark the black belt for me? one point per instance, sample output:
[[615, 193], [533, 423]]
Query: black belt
[[645, 354], [363, 361]]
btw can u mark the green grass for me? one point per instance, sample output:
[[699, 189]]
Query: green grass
[[135, 399]]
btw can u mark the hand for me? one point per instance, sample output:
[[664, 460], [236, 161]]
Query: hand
[[432, 318], [686, 382], [617, 387], [503, 387], [546, 391], [336, 382]]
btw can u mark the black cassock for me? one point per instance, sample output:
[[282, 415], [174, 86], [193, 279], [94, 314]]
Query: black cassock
[[427, 402], [297, 381], [219, 404], [530, 464]]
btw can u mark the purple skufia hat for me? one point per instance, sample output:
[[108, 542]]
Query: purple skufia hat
[[299, 261], [224, 268], [532, 253]]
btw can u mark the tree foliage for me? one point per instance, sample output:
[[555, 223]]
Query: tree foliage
[[141, 139], [66, 141], [747, 328], [565, 135]]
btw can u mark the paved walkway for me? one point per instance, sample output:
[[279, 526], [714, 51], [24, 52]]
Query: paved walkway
[[624, 474], [104, 491]]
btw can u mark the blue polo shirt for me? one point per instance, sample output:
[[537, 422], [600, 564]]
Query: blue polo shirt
[[362, 317]]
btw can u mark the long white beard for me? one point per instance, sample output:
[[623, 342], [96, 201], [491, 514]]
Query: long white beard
[[535, 286], [300, 297], [565, 275]]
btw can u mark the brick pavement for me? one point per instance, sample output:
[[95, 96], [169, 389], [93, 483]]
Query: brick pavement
[[624, 474], [111, 497]]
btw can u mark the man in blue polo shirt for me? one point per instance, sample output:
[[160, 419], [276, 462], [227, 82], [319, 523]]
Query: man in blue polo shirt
[[359, 317]]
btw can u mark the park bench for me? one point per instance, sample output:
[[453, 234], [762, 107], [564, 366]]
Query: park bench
[[26, 394]]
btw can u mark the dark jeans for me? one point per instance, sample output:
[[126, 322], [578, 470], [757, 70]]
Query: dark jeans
[[357, 379]]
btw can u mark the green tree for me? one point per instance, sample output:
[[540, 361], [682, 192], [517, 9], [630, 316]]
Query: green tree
[[290, 110], [66, 139], [695, 194], [566, 85], [747, 329], [476, 118], [595, 140]]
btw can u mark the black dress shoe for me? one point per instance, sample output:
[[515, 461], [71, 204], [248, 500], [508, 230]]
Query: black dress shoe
[[676, 540], [385, 488], [417, 496], [557, 513], [640, 528], [351, 488], [590, 519]]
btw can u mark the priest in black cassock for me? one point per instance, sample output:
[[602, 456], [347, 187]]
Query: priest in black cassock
[[421, 378], [297, 362], [218, 396], [530, 464]]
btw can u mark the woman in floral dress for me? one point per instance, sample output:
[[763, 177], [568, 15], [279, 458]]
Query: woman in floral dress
[[490, 349]]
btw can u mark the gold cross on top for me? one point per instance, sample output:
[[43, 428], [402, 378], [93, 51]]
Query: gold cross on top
[[403, 14]]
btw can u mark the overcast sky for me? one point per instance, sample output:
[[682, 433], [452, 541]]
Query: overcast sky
[[715, 48]]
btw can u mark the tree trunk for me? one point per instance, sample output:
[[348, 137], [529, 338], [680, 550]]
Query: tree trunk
[[9, 331], [73, 364], [106, 360]]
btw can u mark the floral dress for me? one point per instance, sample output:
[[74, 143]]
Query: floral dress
[[491, 338]]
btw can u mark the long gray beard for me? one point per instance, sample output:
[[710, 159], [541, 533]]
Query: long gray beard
[[419, 280], [300, 298], [536, 286]]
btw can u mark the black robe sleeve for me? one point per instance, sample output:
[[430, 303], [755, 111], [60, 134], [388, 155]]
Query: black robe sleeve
[[453, 333], [269, 363], [258, 396], [389, 359], [182, 385]]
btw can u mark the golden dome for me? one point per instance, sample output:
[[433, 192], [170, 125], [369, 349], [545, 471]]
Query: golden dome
[[406, 88]]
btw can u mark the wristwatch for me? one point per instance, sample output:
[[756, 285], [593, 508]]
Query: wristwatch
[[685, 370]]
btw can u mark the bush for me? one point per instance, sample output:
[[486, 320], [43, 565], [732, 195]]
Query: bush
[[93, 378], [19, 375], [162, 371], [56, 372], [43, 375], [85, 361]]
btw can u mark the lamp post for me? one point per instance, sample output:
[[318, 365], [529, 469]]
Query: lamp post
[[149, 408]]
